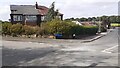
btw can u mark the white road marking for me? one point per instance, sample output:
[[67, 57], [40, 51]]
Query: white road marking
[[107, 50]]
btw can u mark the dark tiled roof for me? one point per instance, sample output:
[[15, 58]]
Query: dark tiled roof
[[24, 9], [29, 9]]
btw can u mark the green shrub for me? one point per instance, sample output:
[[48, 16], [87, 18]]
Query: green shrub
[[6, 28], [39, 31], [69, 28], [43, 29], [16, 29], [66, 28], [90, 30], [29, 30], [84, 30], [58, 27]]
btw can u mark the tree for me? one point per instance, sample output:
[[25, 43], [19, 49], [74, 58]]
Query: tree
[[94, 19], [83, 19], [51, 13], [89, 19]]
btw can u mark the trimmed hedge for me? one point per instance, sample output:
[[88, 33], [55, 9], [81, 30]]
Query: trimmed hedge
[[66, 28], [69, 28], [84, 30]]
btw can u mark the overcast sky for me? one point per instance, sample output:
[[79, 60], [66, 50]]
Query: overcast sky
[[70, 8]]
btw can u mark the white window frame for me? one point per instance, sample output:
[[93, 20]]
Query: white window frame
[[17, 17], [31, 17]]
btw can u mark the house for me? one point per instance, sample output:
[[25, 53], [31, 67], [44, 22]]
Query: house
[[77, 22], [29, 14], [88, 23]]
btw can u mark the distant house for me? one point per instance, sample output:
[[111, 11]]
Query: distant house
[[77, 22], [29, 14], [88, 23]]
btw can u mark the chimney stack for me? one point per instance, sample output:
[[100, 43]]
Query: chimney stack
[[36, 6]]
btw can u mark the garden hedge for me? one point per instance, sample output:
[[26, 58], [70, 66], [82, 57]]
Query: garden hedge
[[53, 27]]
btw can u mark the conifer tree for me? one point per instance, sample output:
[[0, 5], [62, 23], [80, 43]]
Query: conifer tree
[[51, 13]]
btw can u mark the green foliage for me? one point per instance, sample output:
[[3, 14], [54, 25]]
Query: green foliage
[[51, 12], [19, 29], [112, 19], [90, 30], [28, 30], [84, 30], [58, 26], [83, 19], [68, 28], [6, 28], [40, 31], [16, 29]]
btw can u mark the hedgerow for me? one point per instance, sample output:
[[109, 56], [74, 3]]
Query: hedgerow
[[53, 27]]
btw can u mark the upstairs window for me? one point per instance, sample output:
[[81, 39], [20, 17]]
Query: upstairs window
[[17, 17]]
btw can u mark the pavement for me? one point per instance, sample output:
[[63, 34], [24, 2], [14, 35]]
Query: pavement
[[98, 36], [46, 40], [52, 52]]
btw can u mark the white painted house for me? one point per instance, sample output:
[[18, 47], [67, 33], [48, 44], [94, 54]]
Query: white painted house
[[77, 22]]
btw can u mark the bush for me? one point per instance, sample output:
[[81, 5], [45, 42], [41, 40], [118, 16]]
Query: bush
[[68, 28], [39, 31], [90, 30], [84, 30], [58, 27], [29, 30], [6, 28], [43, 30], [16, 29]]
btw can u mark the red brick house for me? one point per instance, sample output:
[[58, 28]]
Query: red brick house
[[29, 14]]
